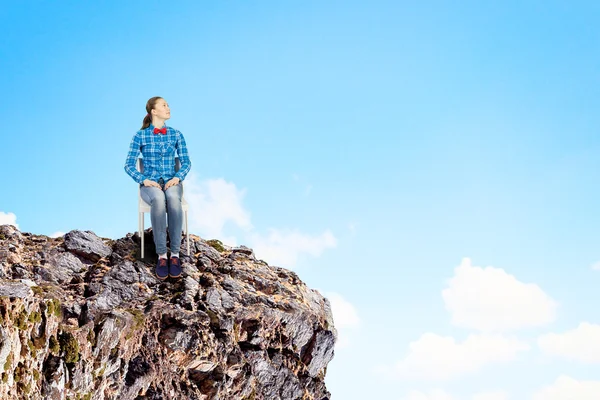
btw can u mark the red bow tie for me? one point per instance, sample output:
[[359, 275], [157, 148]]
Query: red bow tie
[[163, 131]]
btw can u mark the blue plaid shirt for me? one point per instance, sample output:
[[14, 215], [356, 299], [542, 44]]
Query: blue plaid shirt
[[158, 153]]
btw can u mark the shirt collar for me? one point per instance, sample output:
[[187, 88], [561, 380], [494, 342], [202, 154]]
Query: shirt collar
[[151, 127]]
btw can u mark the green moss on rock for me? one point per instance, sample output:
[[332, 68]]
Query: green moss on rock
[[70, 346], [24, 387], [35, 317], [37, 290], [20, 372], [8, 362], [138, 317], [53, 307], [32, 349], [91, 337], [54, 346], [21, 320], [216, 244]]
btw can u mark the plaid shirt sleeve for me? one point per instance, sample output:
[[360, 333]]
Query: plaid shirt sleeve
[[184, 157], [132, 156]]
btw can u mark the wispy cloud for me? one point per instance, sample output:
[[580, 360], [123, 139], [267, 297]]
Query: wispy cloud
[[566, 388], [441, 358], [283, 247], [345, 318], [8, 219], [438, 394], [213, 204], [580, 344], [352, 227], [307, 186], [216, 203]]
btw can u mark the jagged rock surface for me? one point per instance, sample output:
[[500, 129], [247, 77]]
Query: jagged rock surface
[[81, 317]]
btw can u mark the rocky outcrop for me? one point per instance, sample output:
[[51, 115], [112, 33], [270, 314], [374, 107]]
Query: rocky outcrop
[[82, 317]]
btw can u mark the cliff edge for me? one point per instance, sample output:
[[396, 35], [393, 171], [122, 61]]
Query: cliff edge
[[83, 318]]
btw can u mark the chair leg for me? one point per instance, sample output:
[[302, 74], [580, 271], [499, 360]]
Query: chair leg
[[141, 226], [187, 234]]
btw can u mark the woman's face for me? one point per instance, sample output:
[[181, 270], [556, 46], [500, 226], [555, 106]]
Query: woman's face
[[161, 110]]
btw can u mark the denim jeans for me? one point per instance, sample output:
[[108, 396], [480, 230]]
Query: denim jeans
[[165, 207]]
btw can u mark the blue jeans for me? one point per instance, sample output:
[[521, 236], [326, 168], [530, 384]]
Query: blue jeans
[[165, 206]]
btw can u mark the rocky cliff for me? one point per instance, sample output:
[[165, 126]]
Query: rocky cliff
[[82, 317]]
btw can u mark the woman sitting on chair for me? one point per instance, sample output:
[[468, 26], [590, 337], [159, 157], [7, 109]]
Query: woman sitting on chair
[[160, 183]]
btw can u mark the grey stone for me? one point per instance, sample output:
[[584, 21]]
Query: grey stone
[[191, 290], [67, 262], [10, 233], [15, 289], [209, 251], [321, 352], [244, 250], [86, 244], [213, 300]]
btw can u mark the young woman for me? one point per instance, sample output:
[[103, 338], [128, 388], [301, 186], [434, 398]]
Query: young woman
[[160, 184]]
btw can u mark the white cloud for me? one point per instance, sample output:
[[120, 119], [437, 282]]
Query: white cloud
[[282, 247], [307, 190], [214, 203], [596, 266], [434, 357], [352, 226], [437, 394], [345, 318], [57, 234], [567, 388], [8, 219], [579, 344], [490, 396], [488, 299]]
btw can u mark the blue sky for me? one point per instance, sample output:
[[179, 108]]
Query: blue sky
[[387, 151]]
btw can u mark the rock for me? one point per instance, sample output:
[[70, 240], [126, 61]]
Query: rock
[[5, 345], [13, 258], [320, 352], [10, 233], [191, 290], [120, 284], [66, 262], [15, 289], [28, 282], [85, 322], [60, 267], [244, 250], [86, 244]]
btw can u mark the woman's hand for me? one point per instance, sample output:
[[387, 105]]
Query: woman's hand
[[172, 182], [148, 182]]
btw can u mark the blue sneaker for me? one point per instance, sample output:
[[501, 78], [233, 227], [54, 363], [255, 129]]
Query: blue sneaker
[[162, 269], [175, 267]]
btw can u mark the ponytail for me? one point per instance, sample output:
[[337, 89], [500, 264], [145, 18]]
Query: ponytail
[[149, 107], [147, 121]]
